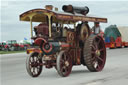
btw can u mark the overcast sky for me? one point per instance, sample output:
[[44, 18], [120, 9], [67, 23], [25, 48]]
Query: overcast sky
[[13, 29]]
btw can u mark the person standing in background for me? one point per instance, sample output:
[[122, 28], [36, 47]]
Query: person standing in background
[[96, 28]]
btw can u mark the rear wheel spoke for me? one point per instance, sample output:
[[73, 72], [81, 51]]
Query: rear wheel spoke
[[100, 59], [98, 41], [95, 44], [98, 67], [94, 48], [93, 52], [93, 58], [102, 49]]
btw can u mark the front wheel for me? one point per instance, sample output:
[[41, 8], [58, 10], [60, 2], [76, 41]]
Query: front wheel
[[33, 64], [64, 64]]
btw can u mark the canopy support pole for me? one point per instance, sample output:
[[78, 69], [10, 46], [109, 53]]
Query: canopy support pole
[[49, 21], [31, 26]]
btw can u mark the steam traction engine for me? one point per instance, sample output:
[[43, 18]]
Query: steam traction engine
[[61, 42]]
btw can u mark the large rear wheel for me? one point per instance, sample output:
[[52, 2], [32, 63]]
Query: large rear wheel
[[94, 53], [64, 64], [33, 64]]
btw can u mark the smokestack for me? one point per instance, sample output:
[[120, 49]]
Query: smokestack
[[74, 9]]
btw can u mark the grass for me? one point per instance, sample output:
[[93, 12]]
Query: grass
[[10, 52]]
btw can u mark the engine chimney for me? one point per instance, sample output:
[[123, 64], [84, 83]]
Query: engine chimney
[[73, 9]]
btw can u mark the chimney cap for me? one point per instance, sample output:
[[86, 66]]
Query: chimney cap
[[49, 7]]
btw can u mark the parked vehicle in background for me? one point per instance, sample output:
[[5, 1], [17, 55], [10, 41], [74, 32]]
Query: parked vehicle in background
[[24, 46], [1, 46], [13, 45], [113, 37], [4, 46], [124, 35]]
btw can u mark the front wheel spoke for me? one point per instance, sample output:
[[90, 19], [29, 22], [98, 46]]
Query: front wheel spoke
[[63, 69], [62, 64], [30, 63], [62, 61], [68, 59], [31, 59], [65, 57], [37, 64], [34, 64], [66, 69], [35, 58], [32, 69], [36, 70]]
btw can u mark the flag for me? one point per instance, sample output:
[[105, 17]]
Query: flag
[[25, 38]]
